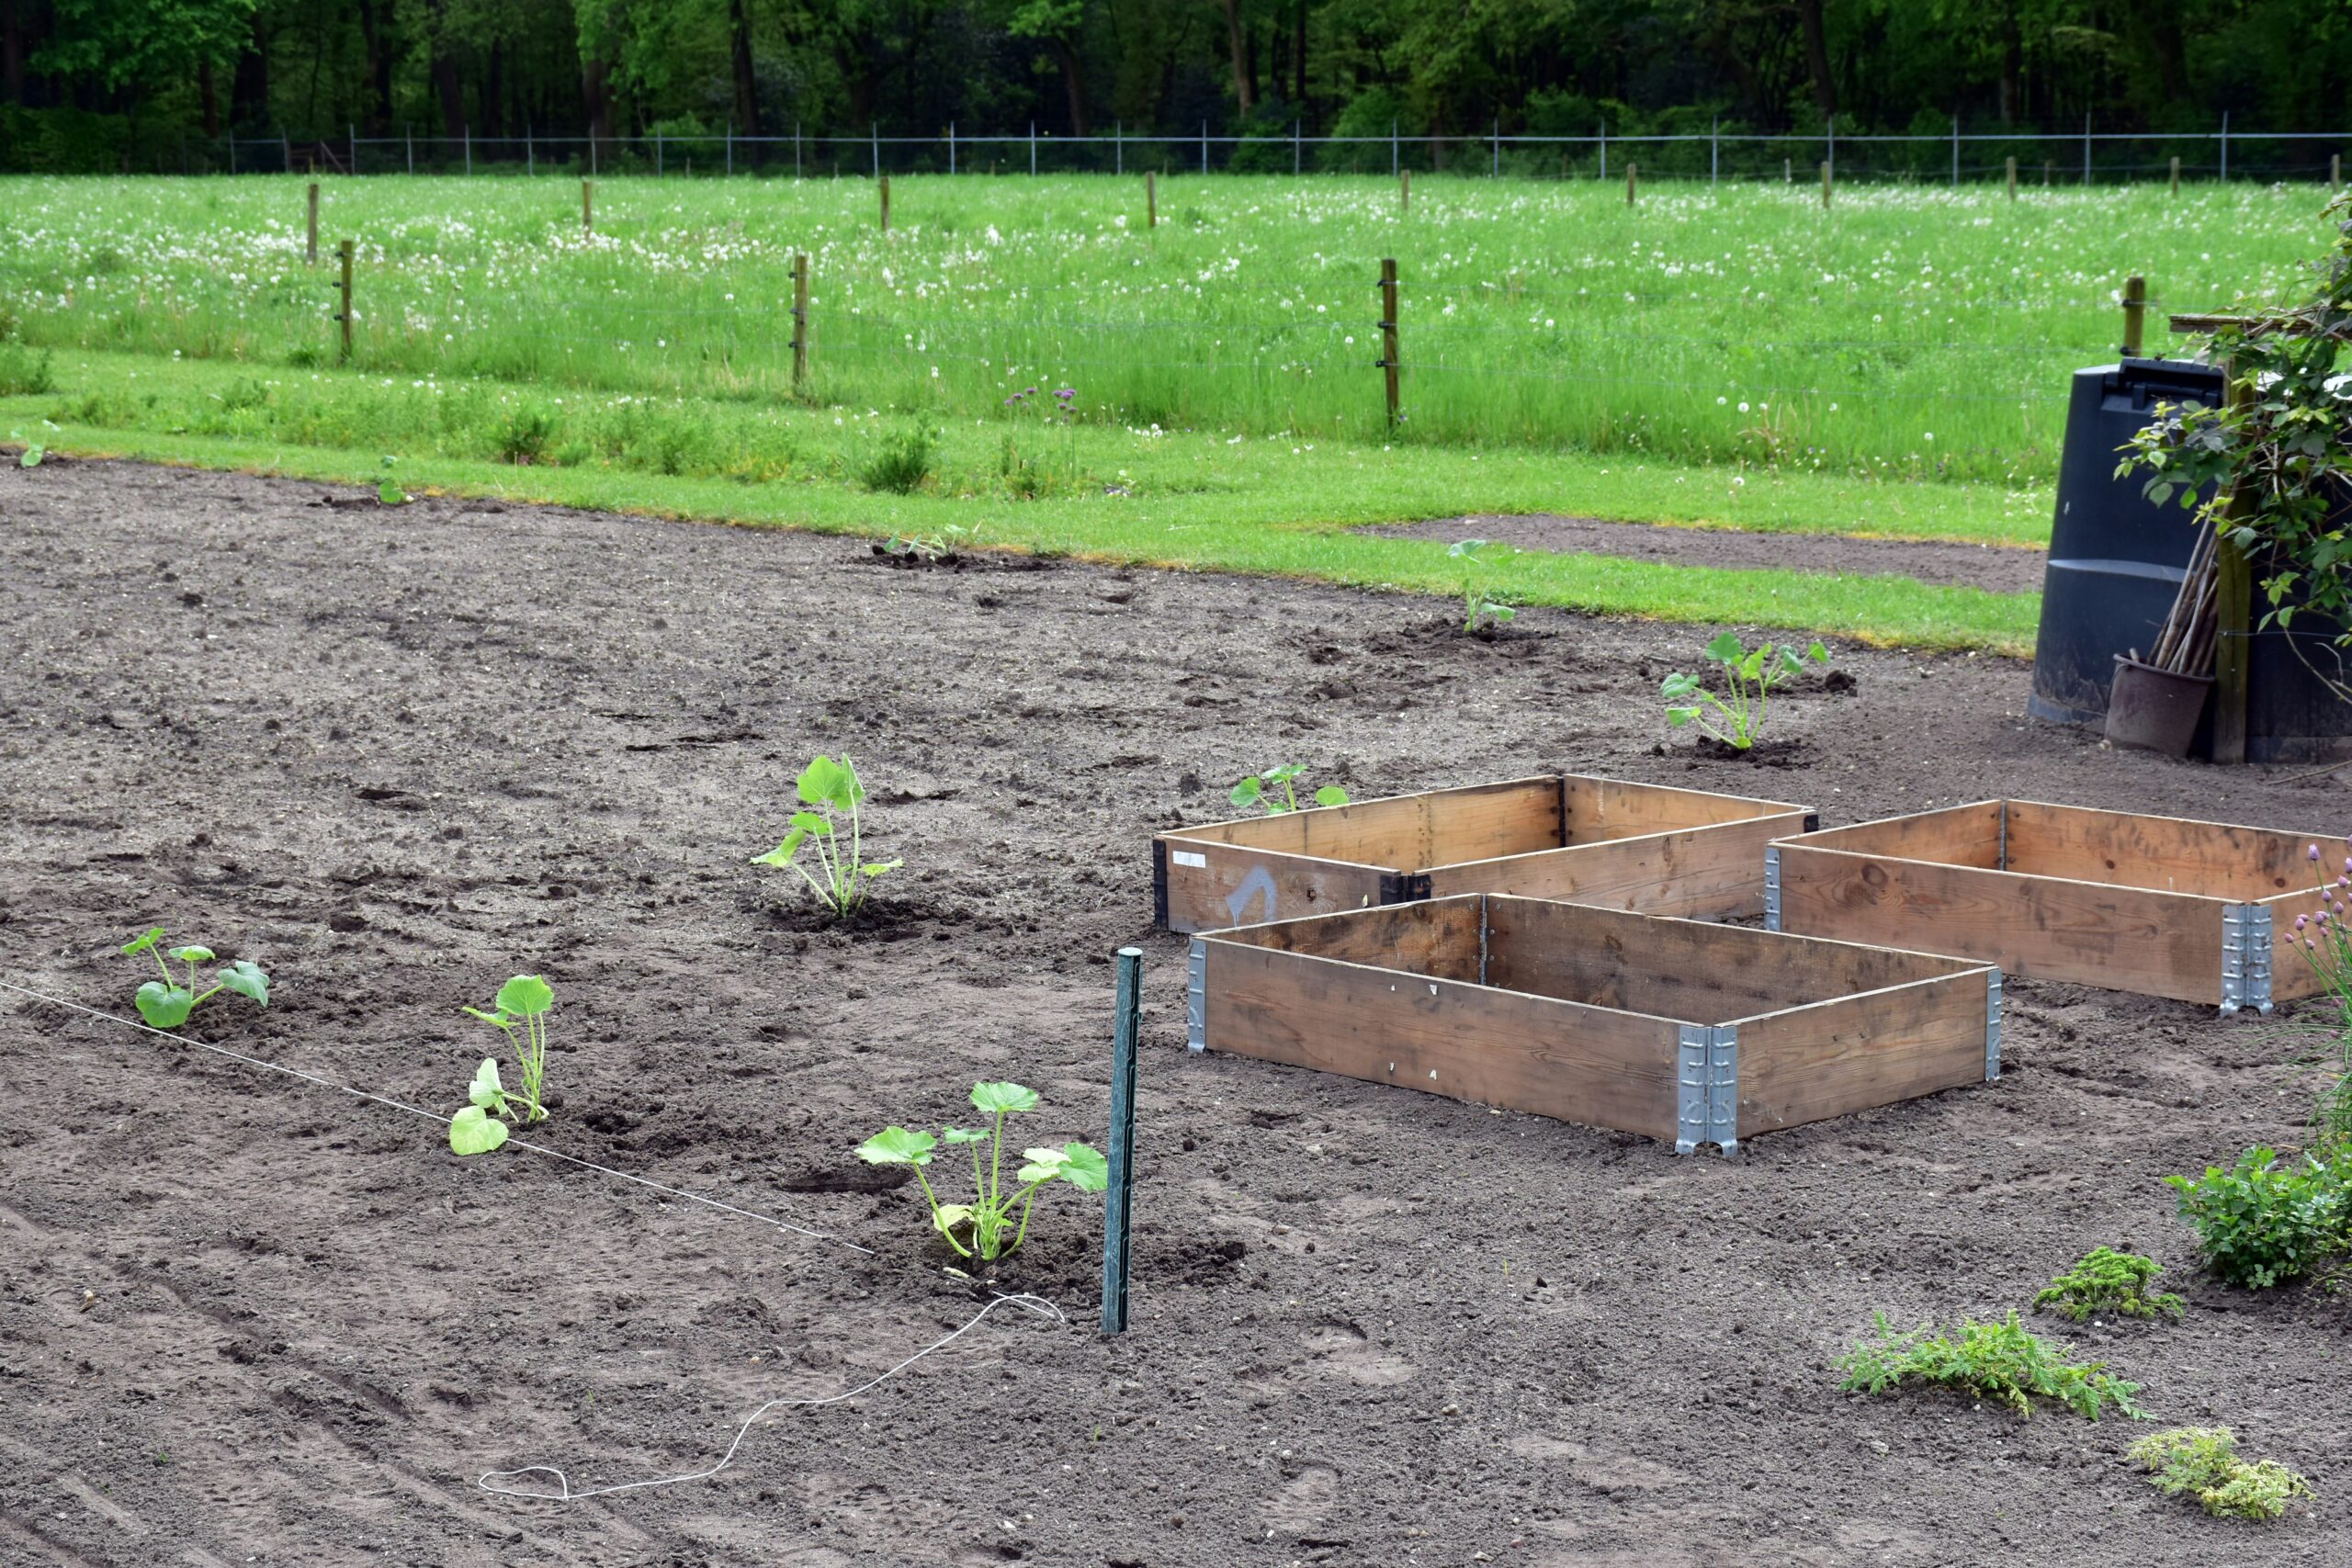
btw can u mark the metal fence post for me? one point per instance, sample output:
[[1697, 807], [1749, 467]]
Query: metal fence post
[[531, 152], [1119, 148], [344, 288], [1118, 1197], [468, 131], [950, 146], [1204, 147], [1297, 148], [1389, 351], [731, 146], [796, 149], [1394, 162], [873, 132], [1955, 151], [2086, 150], [408, 135], [1495, 170], [800, 323], [351, 137], [1604, 149], [2225, 146], [1831, 162], [1033, 146], [1715, 150]]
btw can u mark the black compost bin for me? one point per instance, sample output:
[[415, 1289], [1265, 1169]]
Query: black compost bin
[[2115, 562]]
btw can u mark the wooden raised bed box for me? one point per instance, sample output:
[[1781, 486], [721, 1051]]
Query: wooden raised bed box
[[1632, 846], [2157, 905], [1675, 1029]]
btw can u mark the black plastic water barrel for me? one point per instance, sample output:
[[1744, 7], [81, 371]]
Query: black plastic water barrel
[[2115, 562]]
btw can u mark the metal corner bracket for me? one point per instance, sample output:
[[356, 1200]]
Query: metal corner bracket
[[1992, 1026], [2246, 958], [1771, 887], [1197, 997], [1708, 1089]]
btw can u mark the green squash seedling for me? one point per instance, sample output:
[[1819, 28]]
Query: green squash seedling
[[1476, 602], [33, 453], [830, 792], [1751, 675], [520, 1013], [166, 1003], [387, 488], [990, 1215], [1258, 789]]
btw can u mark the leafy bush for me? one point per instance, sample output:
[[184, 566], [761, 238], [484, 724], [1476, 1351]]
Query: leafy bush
[[166, 1003], [902, 462], [2203, 1463], [523, 435], [986, 1219], [1997, 1361], [830, 792], [2262, 1224], [2108, 1281]]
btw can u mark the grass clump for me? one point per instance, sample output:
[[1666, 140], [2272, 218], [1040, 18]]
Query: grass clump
[[2262, 1224], [2202, 1462], [25, 373], [902, 460], [2002, 1362], [2109, 1283]]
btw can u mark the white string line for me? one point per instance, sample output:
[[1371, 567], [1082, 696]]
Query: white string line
[[495, 1480], [523, 1144]]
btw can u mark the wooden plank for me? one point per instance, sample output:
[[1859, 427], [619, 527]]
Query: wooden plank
[[1714, 871], [1598, 810], [1553, 1058], [1687, 970], [1853, 1053], [1433, 937], [2131, 849], [1405, 832], [1213, 885], [2127, 939], [1957, 835]]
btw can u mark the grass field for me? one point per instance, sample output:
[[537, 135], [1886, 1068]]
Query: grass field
[[1894, 366]]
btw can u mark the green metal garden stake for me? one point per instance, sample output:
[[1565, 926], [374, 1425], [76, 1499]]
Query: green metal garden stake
[[1118, 1196]]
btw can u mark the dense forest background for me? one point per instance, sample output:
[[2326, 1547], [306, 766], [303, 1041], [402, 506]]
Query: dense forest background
[[112, 82]]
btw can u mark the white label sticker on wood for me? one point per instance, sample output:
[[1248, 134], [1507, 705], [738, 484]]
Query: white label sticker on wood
[[1188, 857]]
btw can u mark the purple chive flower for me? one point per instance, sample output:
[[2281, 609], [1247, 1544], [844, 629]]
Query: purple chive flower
[[2315, 853], [2301, 921]]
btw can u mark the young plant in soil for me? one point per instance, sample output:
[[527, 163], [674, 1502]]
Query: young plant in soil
[[1478, 603], [1258, 789], [166, 1003], [1750, 675], [984, 1221], [2202, 1462], [520, 1012], [2107, 1283], [2263, 1223], [830, 795], [33, 450], [2001, 1362], [387, 488]]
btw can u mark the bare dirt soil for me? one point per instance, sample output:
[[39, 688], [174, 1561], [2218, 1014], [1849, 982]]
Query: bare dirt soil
[[1995, 567], [396, 755]]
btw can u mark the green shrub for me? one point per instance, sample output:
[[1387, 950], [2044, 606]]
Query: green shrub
[[902, 462], [2203, 1463], [523, 435], [2262, 1224], [1997, 1361], [24, 373], [2108, 1281]]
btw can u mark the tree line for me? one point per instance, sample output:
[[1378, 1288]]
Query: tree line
[[492, 68]]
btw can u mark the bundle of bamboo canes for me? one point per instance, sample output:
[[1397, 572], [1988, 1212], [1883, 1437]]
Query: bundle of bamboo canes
[[2185, 643]]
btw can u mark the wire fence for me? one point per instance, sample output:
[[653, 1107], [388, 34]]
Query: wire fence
[[2086, 158]]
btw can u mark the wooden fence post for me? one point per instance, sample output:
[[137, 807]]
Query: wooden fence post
[[2048, 165], [885, 203], [344, 314], [1632, 175], [587, 207], [2336, 170], [2135, 315], [2175, 173], [310, 248], [2232, 609], [1389, 355], [2013, 178], [1151, 198], [1118, 1197], [800, 323], [1788, 171], [1826, 177]]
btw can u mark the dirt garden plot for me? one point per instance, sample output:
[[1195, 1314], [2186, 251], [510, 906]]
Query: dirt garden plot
[[398, 755]]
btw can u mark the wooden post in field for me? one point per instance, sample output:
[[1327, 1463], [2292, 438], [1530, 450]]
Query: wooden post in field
[[2135, 315], [1151, 198], [1404, 190], [310, 247], [343, 315], [886, 204], [1827, 179], [2013, 178], [2232, 610], [2336, 170], [1633, 177], [1389, 355], [587, 207], [2048, 164], [1788, 171], [799, 322], [2175, 173]]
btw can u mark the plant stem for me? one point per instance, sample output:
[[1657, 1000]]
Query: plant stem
[[933, 1199]]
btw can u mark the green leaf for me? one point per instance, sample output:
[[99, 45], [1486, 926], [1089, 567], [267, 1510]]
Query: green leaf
[[825, 782], [781, 854], [1753, 665], [140, 945], [526, 996], [948, 1216], [880, 867], [164, 1007], [390, 494], [500, 1019], [1244, 794], [474, 1130], [1043, 1165], [1501, 613], [1469, 547], [1330, 794], [1677, 686], [191, 954], [487, 1091], [1726, 649], [1084, 1168], [1817, 653], [806, 822], [1677, 718], [1284, 773], [1003, 1098], [31, 455], [963, 1136], [896, 1145], [244, 977]]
